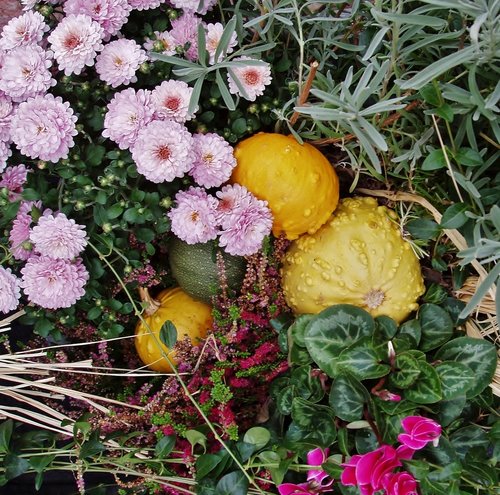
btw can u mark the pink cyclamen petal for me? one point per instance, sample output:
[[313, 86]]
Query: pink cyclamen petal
[[292, 489], [401, 483], [419, 431]]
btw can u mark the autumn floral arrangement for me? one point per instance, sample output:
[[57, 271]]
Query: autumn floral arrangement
[[222, 231]]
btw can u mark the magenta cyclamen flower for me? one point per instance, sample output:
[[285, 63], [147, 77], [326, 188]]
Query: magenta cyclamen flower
[[402, 483], [419, 431], [20, 247], [27, 29], [53, 284], [13, 179], [171, 101], [25, 72], [185, 33], [128, 112], [75, 42], [214, 160], [194, 5], [6, 112], [163, 151], [9, 290], [43, 127], [59, 237], [194, 218], [252, 78], [118, 62]]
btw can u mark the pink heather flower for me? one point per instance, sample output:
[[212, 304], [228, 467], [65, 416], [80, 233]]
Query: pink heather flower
[[6, 111], [163, 151], [13, 179], [27, 29], [213, 36], [402, 483], [111, 15], [163, 42], [194, 219], [43, 127], [75, 42], [194, 5], [128, 112], [252, 78], [145, 4], [185, 33], [10, 291], [58, 237], [213, 160], [25, 72], [419, 431], [20, 247], [171, 101], [53, 284], [5, 153], [119, 61]]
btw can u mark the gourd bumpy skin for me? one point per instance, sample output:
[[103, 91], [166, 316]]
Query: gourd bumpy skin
[[358, 257]]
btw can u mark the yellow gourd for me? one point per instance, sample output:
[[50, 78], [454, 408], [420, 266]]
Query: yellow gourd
[[358, 257], [298, 182], [190, 317]]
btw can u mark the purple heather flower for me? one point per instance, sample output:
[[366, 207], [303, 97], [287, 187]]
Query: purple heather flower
[[171, 101], [6, 112], [163, 39], [194, 5], [163, 151], [253, 79], [27, 29], [25, 72], [43, 127], [128, 112], [20, 247], [214, 160], [145, 4], [118, 62], [5, 153], [245, 220], [59, 237], [9, 290], [214, 34], [13, 179], [53, 284], [194, 218], [185, 32], [75, 42], [110, 14]]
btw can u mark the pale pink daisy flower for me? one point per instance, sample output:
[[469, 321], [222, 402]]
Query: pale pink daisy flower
[[245, 220], [128, 112], [53, 284], [163, 43], [194, 217], [6, 112], [43, 127], [25, 72], [213, 36], [59, 237], [185, 33], [75, 42], [214, 160], [110, 14], [145, 4], [163, 151], [171, 101], [201, 7], [5, 153], [253, 79], [10, 291], [119, 61], [14, 179], [27, 29], [20, 246]]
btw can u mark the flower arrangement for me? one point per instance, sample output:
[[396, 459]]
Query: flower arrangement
[[119, 121]]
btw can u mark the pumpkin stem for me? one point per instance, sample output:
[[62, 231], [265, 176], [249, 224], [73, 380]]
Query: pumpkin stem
[[152, 304]]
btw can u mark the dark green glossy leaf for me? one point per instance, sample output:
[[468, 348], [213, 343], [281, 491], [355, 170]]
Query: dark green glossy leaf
[[168, 334], [412, 329], [6, 428], [469, 157], [456, 378], [454, 216], [423, 228], [436, 325], [298, 328], [467, 438], [449, 410], [446, 112], [284, 400], [365, 441], [14, 466], [165, 446], [309, 415], [427, 389], [362, 362], [235, 483], [348, 397], [386, 326], [435, 160], [407, 371], [257, 436]]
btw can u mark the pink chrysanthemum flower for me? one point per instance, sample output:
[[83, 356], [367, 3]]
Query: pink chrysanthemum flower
[[6, 112], [111, 15], [75, 42], [245, 220], [163, 151], [194, 218], [25, 72], [128, 112], [59, 237], [5, 153], [214, 160], [163, 43], [145, 4], [13, 179], [185, 33], [10, 290], [171, 101], [20, 247], [119, 61], [27, 29], [43, 127], [214, 34], [194, 5], [53, 284], [28, 4], [253, 79]]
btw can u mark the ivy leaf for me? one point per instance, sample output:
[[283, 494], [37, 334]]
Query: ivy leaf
[[168, 334], [436, 325], [427, 389], [235, 483], [456, 379], [347, 397], [205, 463], [257, 436]]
